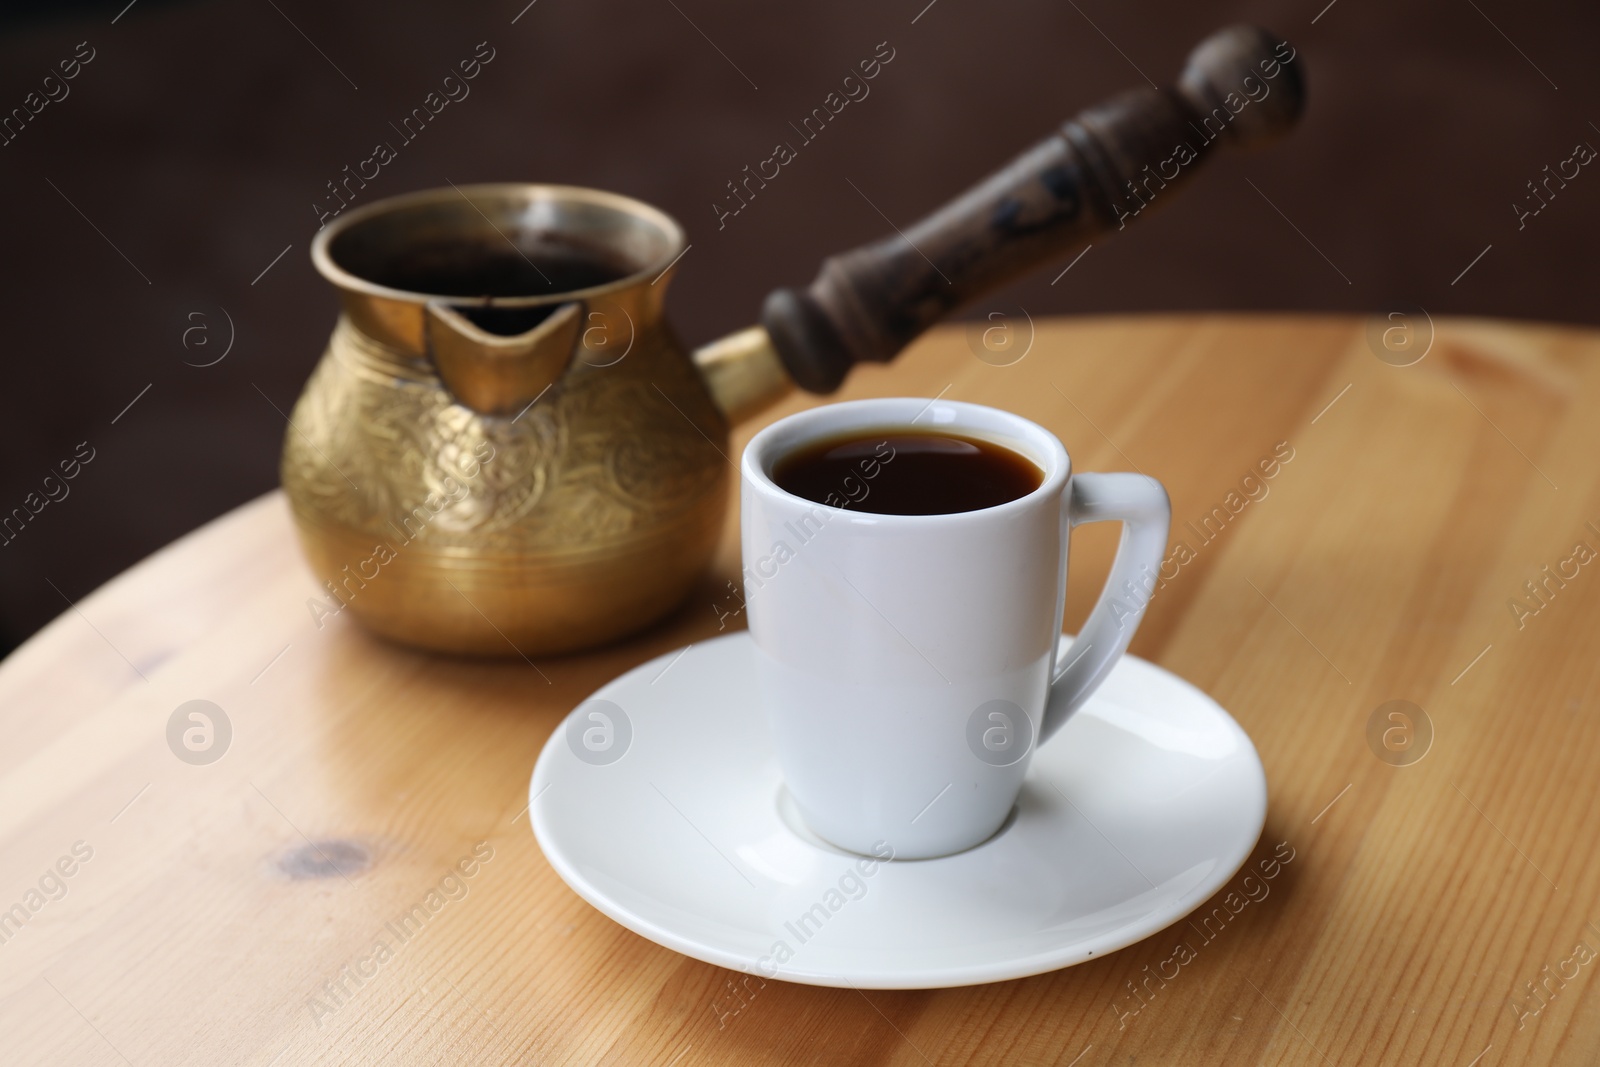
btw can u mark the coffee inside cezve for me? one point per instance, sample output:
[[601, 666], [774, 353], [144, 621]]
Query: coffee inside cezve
[[897, 472], [477, 271], [470, 269]]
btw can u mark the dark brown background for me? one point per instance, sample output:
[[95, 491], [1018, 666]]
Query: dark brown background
[[200, 135]]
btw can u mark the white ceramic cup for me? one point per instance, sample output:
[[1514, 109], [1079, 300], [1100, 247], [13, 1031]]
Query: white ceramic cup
[[909, 661]]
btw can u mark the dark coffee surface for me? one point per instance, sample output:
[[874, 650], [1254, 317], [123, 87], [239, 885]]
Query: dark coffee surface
[[470, 268], [895, 472]]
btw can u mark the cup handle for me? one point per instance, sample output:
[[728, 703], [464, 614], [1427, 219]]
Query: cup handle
[[1140, 503]]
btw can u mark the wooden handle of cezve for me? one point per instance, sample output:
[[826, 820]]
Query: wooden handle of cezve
[[1242, 85]]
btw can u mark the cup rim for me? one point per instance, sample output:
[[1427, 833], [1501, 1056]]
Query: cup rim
[[903, 414]]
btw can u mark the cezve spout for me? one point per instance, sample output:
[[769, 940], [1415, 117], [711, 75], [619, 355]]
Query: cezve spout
[[495, 374]]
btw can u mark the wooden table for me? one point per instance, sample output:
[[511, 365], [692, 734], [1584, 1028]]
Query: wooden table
[[199, 925]]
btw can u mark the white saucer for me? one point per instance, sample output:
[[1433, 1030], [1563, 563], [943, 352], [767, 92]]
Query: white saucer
[[1145, 804]]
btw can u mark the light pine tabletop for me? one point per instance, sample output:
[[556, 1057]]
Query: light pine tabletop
[[1404, 616]]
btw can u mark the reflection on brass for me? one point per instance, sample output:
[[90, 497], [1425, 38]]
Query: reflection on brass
[[744, 373], [501, 452]]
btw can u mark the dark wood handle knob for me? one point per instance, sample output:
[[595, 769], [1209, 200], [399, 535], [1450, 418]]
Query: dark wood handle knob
[[1106, 167]]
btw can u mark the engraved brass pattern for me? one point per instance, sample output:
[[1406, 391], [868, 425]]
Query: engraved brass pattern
[[587, 515]]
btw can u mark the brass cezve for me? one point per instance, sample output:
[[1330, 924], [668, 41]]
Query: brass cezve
[[476, 469], [479, 493]]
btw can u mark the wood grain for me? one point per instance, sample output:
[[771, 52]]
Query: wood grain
[[1420, 902]]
